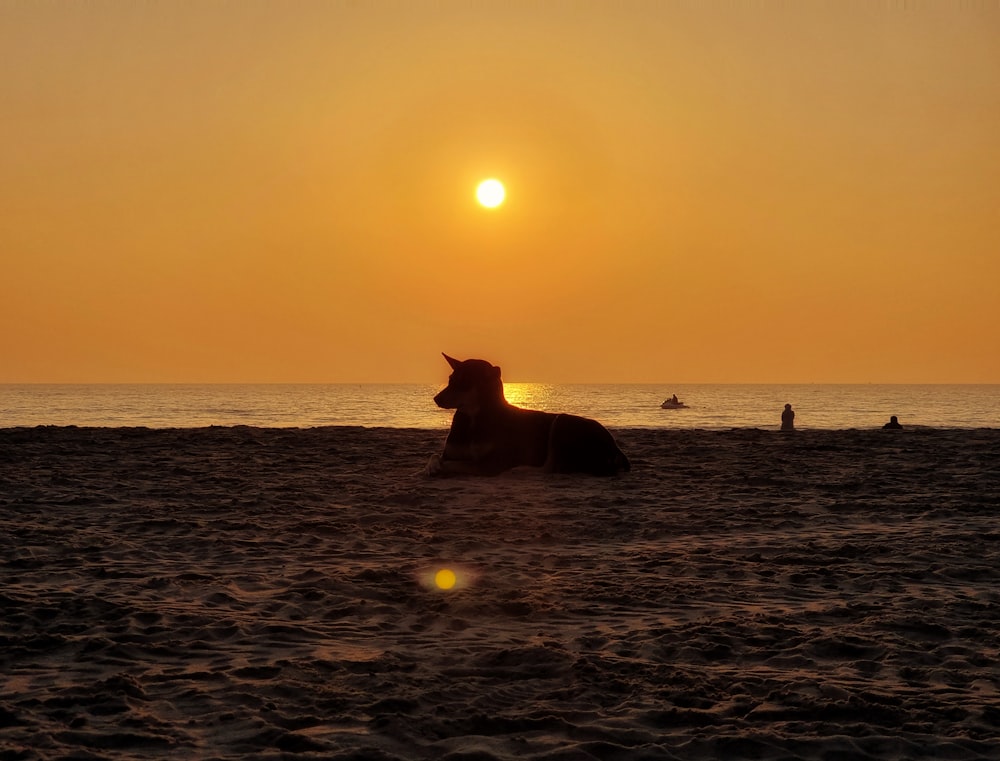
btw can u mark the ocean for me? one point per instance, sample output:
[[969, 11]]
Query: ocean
[[832, 407]]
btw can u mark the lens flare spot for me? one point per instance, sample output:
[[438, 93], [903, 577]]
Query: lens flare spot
[[445, 578]]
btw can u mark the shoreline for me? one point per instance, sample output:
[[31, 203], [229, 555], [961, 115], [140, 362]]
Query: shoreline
[[443, 430]]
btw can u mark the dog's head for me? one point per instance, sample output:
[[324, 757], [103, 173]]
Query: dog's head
[[472, 383]]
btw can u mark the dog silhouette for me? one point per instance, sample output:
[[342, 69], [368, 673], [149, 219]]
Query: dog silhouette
[[489, 435]]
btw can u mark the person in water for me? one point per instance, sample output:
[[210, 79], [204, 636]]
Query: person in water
[[893, 423], [788, 418]]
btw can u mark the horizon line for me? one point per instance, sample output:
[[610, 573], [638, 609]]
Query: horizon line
[[545, 383]]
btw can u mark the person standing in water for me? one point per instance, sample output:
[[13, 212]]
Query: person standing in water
[[788, 419]]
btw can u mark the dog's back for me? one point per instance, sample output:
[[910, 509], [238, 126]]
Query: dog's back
[[579, 444], [488, 435]]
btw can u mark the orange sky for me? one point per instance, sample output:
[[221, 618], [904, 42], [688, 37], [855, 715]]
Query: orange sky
[[697, 192]]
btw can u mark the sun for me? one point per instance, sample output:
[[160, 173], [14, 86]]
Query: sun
[[490, 193]]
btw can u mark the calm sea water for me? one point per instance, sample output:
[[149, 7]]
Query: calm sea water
[[411, 406]]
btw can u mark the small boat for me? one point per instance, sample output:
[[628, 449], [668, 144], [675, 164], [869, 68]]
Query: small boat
[[670, 404]]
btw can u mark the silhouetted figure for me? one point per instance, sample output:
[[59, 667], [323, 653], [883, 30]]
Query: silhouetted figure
[[490, 435], [788, 418], [893, 423]]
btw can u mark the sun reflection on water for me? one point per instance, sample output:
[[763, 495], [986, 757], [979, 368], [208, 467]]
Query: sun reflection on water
[[532, 395]]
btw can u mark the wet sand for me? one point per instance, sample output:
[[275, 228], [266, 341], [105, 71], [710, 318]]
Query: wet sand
[[244, 593]]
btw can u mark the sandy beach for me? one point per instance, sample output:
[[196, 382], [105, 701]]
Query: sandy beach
[[247, 593]]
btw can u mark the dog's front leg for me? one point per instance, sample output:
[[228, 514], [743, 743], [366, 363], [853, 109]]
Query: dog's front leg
[[439, 466], [435, 466]]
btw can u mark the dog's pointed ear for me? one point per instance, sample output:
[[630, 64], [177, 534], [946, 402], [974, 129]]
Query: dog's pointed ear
[[452, 361], [496, 370]]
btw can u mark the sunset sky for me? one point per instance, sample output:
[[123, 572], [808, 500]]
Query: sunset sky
[[716, 192]]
